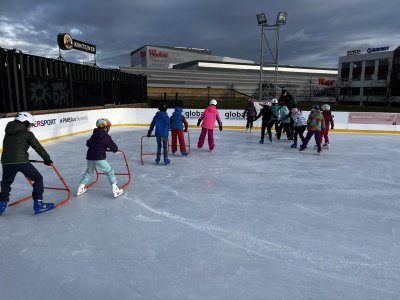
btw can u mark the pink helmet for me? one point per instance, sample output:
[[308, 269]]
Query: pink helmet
[[294, 110]]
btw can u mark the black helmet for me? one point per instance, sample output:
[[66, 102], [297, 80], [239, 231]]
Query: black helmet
[[162, 107], [315, 106]]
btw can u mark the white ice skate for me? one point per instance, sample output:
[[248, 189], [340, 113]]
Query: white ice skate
[[325, 146], [117, 191], [81, 190]]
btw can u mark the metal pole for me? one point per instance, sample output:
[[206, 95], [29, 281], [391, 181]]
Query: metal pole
[[261, 61], [277, 60]]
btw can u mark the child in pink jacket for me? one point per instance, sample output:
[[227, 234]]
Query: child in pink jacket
[[208, 117]]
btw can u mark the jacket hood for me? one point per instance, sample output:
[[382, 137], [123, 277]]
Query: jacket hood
[[211, 108], [99, 133], [15, 127], [178, 111]]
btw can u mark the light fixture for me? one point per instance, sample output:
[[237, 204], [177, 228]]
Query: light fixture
[[261, 19], [281, 18]]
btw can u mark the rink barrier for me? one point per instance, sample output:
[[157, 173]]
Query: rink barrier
[[65, 188], [178, 144], [116, 174], [54, 126], [147, 153]]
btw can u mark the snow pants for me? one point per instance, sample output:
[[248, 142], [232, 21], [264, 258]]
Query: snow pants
[[104, 167], [202, 138], [29, 171], [177, 134], [324, 135]]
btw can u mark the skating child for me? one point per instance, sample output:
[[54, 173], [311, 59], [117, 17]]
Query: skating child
[[161, 122], [328, 119], [178, 121], [251, 114], [283, 121], [315, 123], [275, 111], [15, 158], [99, 142], [268, 120], [299, 125], [207, 119]]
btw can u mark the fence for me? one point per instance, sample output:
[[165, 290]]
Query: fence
[[29, 83]]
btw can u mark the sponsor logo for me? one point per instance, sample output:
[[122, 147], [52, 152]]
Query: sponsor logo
[[236, 115], [158, 54], [354, 52], [378, 49], [73, 119], [192, 114], [323, 81], [48, 122]]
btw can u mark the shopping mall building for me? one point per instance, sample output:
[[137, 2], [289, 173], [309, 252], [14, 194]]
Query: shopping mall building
[[179, 69]]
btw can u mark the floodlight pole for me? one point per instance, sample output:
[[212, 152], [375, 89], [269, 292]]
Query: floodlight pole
[[276, 60], [261, 62]]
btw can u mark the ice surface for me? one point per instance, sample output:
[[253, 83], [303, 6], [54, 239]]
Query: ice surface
[[247, 221]]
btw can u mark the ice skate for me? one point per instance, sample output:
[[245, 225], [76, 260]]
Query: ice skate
[[184, 154], [166, 159], [319, 151], [81, 189], [326, 146], [116, 190], [302, 148], [294, 145], [157, 160], [262, 141], [247, 129], [3, 206], [40, 207], [251, 129], [270, 139]]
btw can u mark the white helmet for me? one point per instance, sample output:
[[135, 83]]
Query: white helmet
[[274, 101], [326, 107], [25, 117], [213, 102]]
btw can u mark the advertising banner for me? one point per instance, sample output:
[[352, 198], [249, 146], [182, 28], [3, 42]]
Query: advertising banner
[[373, 118]]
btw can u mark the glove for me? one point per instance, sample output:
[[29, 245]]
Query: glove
[[185, 130], [332, 127], [220, 127], [243, 115], [198, 123], [48, 162], [149, 133]]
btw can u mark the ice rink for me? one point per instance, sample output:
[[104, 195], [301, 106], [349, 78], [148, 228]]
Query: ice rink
[[246, 221]]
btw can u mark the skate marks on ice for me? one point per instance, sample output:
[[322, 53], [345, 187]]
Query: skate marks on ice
[[360, 273]]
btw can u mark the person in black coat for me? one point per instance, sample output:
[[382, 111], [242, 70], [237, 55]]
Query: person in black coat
[[268, 120], [290, 103]]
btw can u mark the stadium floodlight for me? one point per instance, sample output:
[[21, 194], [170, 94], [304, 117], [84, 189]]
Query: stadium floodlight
[[262, 22], [281, 18], [262, 19]]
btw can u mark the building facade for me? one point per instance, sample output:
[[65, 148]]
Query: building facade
[[162, 57], [373, 76], [176, 68]]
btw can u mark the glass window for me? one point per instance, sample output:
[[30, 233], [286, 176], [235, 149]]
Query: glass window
[[357, 66]]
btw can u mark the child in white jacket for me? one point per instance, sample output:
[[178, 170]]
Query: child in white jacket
[[299, 124]]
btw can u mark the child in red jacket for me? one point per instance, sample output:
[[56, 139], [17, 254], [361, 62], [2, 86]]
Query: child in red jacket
[[328, 118], [178, 121]]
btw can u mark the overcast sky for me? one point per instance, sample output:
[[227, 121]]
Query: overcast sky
[[316, 34]]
